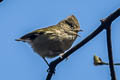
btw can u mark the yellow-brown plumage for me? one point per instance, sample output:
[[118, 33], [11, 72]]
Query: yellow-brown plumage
[[53, 40]]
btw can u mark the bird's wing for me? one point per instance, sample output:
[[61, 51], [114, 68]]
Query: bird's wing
[[32, 35]]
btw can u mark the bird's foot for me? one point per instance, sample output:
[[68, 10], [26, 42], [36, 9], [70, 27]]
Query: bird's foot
[[61, 56]]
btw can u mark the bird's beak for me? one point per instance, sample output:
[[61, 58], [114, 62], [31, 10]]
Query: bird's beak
[[80, 30], [18, 39]]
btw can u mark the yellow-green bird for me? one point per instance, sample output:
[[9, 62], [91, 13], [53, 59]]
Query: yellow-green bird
[[53, 40]]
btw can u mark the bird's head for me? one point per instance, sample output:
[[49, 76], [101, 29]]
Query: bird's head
[[72, 23]]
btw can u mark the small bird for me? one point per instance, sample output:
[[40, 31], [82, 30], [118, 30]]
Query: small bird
[[54, 40]]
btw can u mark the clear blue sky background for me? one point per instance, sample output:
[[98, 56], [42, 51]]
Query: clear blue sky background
[[18, 17]]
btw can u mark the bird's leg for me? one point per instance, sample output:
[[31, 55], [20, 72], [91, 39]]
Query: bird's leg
[[61, 55], [49, 69], [45, 61]]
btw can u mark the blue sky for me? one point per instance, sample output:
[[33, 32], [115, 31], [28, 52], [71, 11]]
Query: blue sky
[[18, 17]]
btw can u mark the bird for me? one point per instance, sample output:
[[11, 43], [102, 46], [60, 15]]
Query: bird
[[54, 40]]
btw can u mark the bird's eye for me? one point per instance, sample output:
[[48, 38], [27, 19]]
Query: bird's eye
[[69, 23]]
